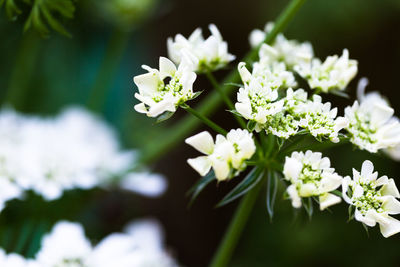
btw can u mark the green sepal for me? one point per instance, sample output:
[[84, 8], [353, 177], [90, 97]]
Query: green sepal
[[165, 116], [251, 125], [252, 178], [308, 206]]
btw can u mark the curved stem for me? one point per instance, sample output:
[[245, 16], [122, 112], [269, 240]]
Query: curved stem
[[204, 119], [210, 103], [113, 54], [225, 98], [232, 235]]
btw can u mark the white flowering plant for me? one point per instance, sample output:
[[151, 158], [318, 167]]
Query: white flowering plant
[[282, 127]]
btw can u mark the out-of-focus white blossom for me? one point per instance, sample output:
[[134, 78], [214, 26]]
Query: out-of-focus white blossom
[[159, 95], [140, 245], [311, 175], [226, 156], [335, 73], [372, 125], [73, 150], [291, 52], [199, 53], [145, 183], [15, 260], [374, 199]]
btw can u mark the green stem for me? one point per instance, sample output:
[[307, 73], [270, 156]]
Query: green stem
[[225, 97], [211, 102], [232, 235], [23, 70], [204, 119], [113, 54]]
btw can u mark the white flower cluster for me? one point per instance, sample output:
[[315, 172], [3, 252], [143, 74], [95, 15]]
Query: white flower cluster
[[73, 150], [163, 90], [311, 175], [202, 55], [372, 125], [157, 94], [334, 74], [141, 244], [285, 116], [374, 199], [226, 156]]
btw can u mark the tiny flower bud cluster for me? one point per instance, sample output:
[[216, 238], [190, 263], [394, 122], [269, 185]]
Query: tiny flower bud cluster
[[226, 156], [201, 55], [374, 199], [311, 175]]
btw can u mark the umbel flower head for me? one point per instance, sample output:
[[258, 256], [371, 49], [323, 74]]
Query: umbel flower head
[[203, 54], [335, 73], [374, 199], [372, 125], [158, 94], [310, 175], [226, 156]]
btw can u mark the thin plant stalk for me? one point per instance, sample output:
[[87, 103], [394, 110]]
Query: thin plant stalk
[[23, 70], [114, 51], [224, 97], [232, 235], [211, 102], [205, 120]]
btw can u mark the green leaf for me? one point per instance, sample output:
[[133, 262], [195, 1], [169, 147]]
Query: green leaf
[[199, 186], [251, 125], [196, 95], [340, 93], [234, 84], [235, 112], [165, 116], [252, 178], [272, 189], [308, 206], [54, 23]]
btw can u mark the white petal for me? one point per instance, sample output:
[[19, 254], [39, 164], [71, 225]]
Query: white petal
[[390, 189], [359, 217], [147, 83], [294, 196], [167, 67], [201, 164], [391, 205], [203, 142], [367, 169], [390, 228], [221, 169], [327, 200], [141, 108], [345, 186], [292, 169]]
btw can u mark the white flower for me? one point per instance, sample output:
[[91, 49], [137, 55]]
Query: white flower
[[140, 245], [320, 120], [291, 52], [335, 73], [311, 175], [15, 260], [372, 125], [158, 95], [145, 183], [374, 199], [202, 55], [72, 150], [226, 156]]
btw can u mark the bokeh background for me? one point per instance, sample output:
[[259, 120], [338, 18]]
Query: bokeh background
[[105, 52]]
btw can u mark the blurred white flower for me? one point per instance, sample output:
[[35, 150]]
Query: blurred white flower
[[140, 245], [202, 55], [159, 95], [15, 260], [335, 73], [73, 150], [372, 125], [311, 175], [291, 52], [374, 199], [226, 156]]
